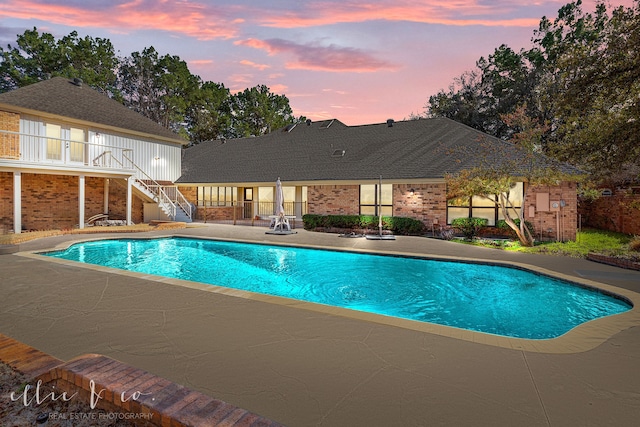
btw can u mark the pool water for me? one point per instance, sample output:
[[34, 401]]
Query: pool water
[[480, 297]]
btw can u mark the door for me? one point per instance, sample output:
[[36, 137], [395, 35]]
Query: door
[[65, 144], [248, 203]]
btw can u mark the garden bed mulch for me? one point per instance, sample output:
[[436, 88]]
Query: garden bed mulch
[[629, 264]]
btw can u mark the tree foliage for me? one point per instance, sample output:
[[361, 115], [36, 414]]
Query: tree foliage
[[579, 83], [494, 180], [257, 111], [38, 57], [160, 87]]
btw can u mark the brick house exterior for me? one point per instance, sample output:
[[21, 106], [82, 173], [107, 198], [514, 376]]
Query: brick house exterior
[[333, 169], [68, 152]]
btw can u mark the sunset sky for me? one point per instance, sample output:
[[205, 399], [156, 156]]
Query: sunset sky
[[360, 61]]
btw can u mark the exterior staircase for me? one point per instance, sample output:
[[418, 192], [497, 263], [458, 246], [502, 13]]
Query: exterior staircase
[[170, 200]]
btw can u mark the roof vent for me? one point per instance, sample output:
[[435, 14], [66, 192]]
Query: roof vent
[[290, 127], [390, 123], [77, 81], [308, 122], [338, 153]]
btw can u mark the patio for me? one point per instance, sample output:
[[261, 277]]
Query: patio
[[305, 367]]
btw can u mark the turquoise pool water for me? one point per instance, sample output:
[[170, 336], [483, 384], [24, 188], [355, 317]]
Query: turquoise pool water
[[480, 297]]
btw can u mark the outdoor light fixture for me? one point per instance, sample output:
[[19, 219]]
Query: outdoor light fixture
[[412, 191]]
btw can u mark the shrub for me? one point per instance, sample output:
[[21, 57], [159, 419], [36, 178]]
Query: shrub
[[469, 227], [502, 224], [403, 225], [312, 221], [398, 225], [634, 244]]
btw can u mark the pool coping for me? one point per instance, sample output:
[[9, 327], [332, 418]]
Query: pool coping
[[581, 338]]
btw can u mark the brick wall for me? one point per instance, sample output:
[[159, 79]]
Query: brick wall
[[6, 202], [221, 213], [550, 224], [428, 203], [9, 143], [118, 202], [334, 199], [620, 212], [50, 202]]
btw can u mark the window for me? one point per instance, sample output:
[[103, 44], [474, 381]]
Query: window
[[482, 207], [76, 145], [217, 196], [66, 144], [371, 199], [54, 143]]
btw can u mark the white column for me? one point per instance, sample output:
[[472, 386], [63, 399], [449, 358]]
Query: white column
[[298, 202], [81, 201], [105, 198], [129, 192], [17, 202]]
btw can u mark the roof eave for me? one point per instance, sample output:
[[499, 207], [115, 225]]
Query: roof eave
[[66, 119]]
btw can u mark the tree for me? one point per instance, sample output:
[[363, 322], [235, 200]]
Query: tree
[[160, 88], [257, 111], [501, 167], [92, 60], [593, 90], [38, 57], [209, 113], [580, 77], [499, 83]]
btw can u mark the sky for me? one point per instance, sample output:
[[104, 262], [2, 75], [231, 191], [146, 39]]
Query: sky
[[358, 61]]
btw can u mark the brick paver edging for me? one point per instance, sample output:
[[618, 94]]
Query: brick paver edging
[[119, 387], [617, 262]]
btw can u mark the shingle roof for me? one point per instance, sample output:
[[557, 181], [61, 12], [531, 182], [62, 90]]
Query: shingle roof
[[61, 97], [332, 151]]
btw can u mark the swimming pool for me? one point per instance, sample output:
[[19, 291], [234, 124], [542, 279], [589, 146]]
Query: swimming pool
[[480, 297]]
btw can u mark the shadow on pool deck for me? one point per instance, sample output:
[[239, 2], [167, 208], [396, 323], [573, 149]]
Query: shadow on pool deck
[[305, 367]]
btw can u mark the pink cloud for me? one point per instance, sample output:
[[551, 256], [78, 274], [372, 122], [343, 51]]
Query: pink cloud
[[279, 88], [180, 17], [321, 58], [201, 62], [252, 64], [457, 13]]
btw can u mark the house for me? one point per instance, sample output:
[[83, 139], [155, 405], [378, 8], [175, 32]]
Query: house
[[392, 168], [68, 153]]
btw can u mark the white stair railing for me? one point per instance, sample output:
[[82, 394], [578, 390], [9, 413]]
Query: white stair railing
[[169, 198]]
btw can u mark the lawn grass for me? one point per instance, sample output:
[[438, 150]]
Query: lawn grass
[[587, 241]]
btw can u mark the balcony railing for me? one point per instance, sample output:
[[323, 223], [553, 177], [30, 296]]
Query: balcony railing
[[251, 209], [56, 152]]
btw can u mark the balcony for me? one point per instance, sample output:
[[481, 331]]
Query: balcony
[[41, 152]]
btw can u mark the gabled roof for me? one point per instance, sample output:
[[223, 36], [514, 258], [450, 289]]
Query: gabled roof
[[331, 151], [66, 99]]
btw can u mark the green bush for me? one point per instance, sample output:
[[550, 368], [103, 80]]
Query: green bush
[[342, 221], [469, 227], [404, 225], [312, 221], [502, 224], [398, 225]]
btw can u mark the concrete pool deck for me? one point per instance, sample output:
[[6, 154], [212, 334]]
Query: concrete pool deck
[[303, 366]]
